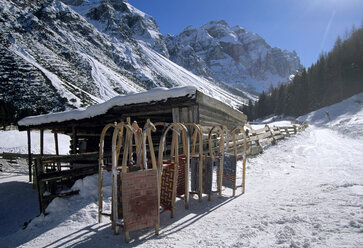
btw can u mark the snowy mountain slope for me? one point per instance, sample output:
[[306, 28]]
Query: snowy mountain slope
[[86, 57], [306, 191], [345, 117], [120, 19], [232, 55], [55, 40]]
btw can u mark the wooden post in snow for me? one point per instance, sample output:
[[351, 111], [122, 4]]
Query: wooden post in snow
[[41, 142], [56, 143], [29, 155], [57, 149]]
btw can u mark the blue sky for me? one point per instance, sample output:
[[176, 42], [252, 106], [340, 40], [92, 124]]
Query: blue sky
[[306, 26]]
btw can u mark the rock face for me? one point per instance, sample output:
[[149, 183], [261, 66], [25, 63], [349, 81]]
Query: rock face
[[232, 55], [57, 55]]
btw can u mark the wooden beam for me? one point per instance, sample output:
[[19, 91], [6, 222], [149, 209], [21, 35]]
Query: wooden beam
[[29, 155], [57, 149], [175, 113], [146, 113], [56, 143], [72, 157], [41, 142], [74, 140], [39, 188]]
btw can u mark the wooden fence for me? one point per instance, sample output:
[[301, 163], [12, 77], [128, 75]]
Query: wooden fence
[[258, 139]]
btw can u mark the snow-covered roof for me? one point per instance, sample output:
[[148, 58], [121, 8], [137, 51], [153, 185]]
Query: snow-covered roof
[[155, 94]]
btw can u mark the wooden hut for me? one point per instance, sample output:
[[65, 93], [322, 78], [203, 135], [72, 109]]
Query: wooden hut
[[184, 104]]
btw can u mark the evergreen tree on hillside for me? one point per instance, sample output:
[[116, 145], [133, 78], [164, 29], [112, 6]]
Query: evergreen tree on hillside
[[336, 76]]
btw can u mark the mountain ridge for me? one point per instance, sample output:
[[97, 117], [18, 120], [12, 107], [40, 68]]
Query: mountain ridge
[[232, 55], [75, 53]]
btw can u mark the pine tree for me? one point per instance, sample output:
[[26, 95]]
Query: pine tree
[[335, 76]]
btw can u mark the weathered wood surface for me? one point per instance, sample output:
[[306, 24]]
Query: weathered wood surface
[[29, 155], [54, 181], [71, 157], [10, 155], [54, 173], [259, 138], [206, 102]]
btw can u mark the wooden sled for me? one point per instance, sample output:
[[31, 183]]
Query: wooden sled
[[135, 198], [102, 167], [219, 158], [230, 162], [201, 173], [174, 172]]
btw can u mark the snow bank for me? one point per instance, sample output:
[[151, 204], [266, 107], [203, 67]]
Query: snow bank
[[345, 117]]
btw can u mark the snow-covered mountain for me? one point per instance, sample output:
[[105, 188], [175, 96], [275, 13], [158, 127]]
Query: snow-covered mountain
[[74, 53], [77, 53], [232, 55]]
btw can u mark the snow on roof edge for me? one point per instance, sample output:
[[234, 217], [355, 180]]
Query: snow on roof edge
[[155, 94]]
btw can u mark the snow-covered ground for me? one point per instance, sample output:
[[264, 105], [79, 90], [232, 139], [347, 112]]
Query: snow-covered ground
[[16, 142], [306, 191]]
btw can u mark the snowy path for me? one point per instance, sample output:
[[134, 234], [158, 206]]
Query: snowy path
[[306, 191]]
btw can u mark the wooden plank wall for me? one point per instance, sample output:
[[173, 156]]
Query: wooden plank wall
[[209, 117], [186, 114]]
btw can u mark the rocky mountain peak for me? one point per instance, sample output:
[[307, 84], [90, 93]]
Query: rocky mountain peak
[[57, 55], [232, 55], [121, 20], [75, 53], [217, 29]]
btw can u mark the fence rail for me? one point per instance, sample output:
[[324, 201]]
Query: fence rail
[[258, 139]]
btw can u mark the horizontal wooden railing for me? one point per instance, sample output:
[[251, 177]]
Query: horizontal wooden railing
[[258, 139]]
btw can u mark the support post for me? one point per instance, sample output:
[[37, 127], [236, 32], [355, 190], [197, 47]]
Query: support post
[[39, 188], [41, 142], [56, 143], [74, 140], [29, 155], [57, 149], [272, 134]]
